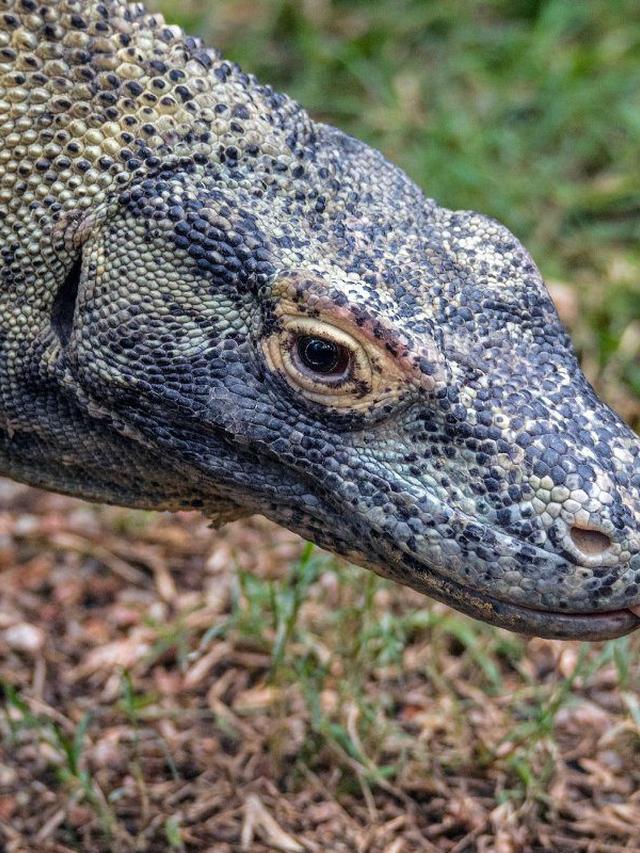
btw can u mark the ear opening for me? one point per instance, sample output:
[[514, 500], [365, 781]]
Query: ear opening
[[64, 305]]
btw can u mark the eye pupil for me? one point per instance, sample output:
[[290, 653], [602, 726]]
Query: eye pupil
[[320, 355]]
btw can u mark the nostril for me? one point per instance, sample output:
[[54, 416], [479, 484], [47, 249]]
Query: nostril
[[590, 542]]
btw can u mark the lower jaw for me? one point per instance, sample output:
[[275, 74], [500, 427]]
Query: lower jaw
[[525, 620], [561, 626]]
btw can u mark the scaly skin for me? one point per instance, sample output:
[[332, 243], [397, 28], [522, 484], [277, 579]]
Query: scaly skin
[[209, 300]]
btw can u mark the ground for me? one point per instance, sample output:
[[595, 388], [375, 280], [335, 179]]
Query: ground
[[170, 687]]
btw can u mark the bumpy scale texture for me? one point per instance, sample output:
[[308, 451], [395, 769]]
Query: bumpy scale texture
[[175, 238]]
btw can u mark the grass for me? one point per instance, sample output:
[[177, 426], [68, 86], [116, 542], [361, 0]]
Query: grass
[[283, 696], [64, 749], [273, 697]]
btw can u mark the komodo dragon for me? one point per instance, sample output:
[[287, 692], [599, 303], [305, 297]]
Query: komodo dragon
[[210, 300]]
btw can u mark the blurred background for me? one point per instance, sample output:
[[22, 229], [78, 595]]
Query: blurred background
[[171, 687]]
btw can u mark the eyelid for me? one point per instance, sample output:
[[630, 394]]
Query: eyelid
[[296, 323]]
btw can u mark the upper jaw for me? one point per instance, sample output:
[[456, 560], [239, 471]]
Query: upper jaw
[[574, 623], [412, 571]]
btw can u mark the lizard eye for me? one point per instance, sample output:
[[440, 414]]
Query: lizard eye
[[326, 364], [322, 357]]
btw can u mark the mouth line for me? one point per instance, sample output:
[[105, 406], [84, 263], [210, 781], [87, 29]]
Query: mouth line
[[550, 624]]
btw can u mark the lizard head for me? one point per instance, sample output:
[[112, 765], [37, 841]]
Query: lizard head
[[384, 376], [212, 301], [209, 300]]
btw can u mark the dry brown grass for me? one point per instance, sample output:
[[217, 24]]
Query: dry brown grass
[[164, 691]]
